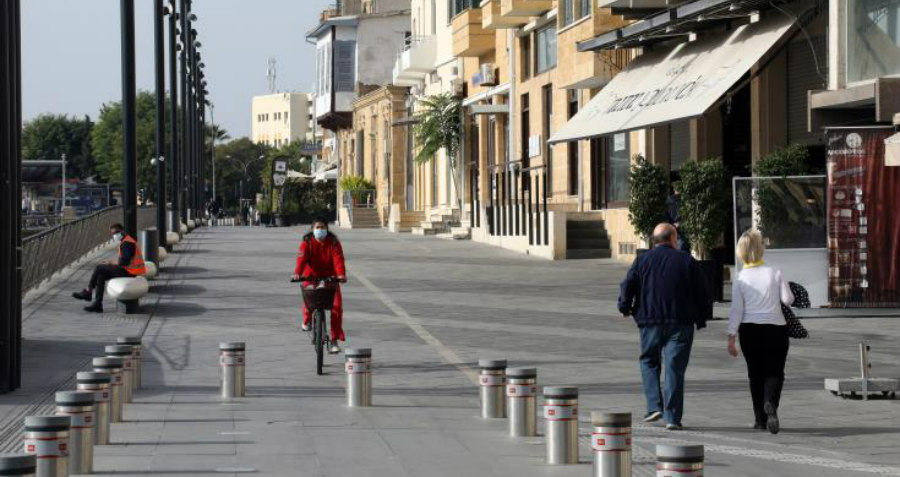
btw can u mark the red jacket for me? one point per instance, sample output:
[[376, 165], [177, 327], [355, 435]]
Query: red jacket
[[320, 259]]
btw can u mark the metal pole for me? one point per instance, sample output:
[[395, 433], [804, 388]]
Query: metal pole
[[174, 156], [129, 122], [62, 208], [10, 198], [212, 117], [183, 156], [159, 43]]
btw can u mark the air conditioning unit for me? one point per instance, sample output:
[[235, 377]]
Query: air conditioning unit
[[488, 75], [458, 86]]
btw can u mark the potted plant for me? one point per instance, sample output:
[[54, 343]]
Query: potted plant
[[647, 202], [704, 212], [357, 187]]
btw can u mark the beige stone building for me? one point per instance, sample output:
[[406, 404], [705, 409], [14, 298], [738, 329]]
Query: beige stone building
[[282, 118]]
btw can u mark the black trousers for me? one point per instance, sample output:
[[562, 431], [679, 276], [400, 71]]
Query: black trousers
[[102, 273], [765, 349]]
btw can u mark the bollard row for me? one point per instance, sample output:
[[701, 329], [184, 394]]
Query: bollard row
[[611, 438], [63, 444]]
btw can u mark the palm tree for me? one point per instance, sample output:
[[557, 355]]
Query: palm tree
[[218, 134], [439, 127]]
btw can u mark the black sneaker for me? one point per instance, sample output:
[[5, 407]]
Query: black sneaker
[[95, 308], [83, 295], [673, 426], [772, 423]]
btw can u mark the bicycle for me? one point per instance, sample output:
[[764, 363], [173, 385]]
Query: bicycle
[[319, 297]]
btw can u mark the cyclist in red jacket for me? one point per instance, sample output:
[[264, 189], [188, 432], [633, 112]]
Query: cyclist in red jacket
[[321, 256]]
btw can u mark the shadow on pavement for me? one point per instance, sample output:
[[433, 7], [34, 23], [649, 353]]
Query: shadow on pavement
[[177, 290], [178, 309]]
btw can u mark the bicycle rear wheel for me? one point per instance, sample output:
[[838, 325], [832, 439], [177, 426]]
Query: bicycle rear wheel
[[319, 331]]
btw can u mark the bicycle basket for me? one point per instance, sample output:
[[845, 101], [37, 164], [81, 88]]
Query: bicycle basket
[[319, 298]]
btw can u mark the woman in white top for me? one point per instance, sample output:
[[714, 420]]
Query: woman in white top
[[756, 319]]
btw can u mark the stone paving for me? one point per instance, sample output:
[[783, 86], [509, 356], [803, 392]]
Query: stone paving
[[429, 308]]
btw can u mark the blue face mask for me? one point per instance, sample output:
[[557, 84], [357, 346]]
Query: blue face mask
[[320, 234]]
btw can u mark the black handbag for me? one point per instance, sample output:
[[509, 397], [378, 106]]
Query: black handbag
[[795, 329]]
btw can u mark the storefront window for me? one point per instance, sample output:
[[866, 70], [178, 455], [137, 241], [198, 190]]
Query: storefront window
[[873, 39], [618, 155]]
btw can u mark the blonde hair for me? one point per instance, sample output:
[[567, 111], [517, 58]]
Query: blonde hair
[[750, 247]]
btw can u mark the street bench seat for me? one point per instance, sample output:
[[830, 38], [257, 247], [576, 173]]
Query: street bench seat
[[151, 270], [127, 292]]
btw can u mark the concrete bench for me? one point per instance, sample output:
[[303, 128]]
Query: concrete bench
[[172, 238], [127, 292], [162, 254]]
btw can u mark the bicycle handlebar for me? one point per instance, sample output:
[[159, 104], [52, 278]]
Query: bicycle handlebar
[[317, 279]]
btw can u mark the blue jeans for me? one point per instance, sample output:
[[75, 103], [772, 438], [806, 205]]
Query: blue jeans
[[674, 342]]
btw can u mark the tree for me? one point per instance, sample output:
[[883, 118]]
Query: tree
[[230, 160], [49, 136], [107, 140], [440, 127]]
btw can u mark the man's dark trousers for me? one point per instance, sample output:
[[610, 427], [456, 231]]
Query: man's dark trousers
[[672, 342], [102, 273]]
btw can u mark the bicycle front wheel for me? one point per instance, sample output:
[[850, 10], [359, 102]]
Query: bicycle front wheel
[[319, 327]]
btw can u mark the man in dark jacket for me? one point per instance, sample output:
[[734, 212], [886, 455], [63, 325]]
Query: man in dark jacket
[[666, 293]]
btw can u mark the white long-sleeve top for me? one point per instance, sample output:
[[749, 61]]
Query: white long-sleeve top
[[756, 297]]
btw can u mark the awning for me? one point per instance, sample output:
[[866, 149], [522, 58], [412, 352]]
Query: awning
[[477, 109], [329, 175], [672, 84]]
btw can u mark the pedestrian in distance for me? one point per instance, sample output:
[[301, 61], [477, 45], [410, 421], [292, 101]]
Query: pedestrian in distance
[[129, 264], [673, 214], [757, 321], [666, 293]]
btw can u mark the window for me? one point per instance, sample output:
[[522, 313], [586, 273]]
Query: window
[[545, 40], [547, 99], [345, 65], [455, 7], [585, 8], [568, 12], [573, 146], [873, 39], [618, 156], [526, 131], [285, 115], [525, 47]]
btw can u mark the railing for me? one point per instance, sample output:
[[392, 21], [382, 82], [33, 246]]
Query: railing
[[517, 205], [48, 252], [363, 198], [40, 221]]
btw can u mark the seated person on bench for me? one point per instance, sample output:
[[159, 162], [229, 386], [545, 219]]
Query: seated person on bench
[[129, 264]]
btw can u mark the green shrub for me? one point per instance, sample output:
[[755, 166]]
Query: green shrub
[[357, 186], [649, 191], [704, 203]]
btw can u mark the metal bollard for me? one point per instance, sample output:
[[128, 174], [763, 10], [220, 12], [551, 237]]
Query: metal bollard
[[18, 464], [521, 392], [126, 354], [79, 406], [114, 367], [493, 388], [561, 418], [358, 366], [232, 361], [135, 342], [47, 438], [679, 461], [611, 443], [99, 384], [148, 243]]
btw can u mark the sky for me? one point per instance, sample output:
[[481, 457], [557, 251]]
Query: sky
[[71, 53]]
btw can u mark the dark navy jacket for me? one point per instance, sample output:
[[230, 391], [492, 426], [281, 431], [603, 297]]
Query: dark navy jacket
[[666, 287]]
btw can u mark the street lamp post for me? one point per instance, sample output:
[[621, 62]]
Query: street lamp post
[[129, 122], [160, 70], [174, 158]]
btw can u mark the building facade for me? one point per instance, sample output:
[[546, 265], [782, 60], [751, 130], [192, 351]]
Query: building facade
[[282, 118]]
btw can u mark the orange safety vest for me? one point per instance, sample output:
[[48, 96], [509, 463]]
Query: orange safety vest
[[136, 267]]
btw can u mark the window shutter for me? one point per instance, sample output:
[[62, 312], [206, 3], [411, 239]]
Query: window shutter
[[345, 66]]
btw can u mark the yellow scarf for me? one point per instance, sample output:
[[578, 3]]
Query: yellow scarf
[[754, 264]]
